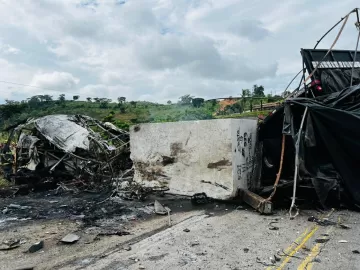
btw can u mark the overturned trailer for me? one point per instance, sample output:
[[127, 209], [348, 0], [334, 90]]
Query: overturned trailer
[[56, 148], [310, 143]]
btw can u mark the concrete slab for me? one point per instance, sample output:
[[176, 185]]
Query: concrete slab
[[211, 156]]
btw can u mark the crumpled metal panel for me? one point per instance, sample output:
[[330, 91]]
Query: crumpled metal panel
[[27, 141], [63, 133]]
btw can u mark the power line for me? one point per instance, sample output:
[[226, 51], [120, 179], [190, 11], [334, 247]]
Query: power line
[[28, 86]]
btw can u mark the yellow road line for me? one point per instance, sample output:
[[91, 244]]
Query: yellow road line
[[307, 263], [307, 237], [293, 245]]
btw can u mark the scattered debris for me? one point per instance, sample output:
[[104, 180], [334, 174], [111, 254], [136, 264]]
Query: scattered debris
[[70, 238], [355, 251], [316, 260], [264, 263], [278, 259], [240, 207], [186, 230], [127, 248], [195, 243], [322, 240], [343, 241], [159, 208], [141, 267], [200, 198], [118, 233], [246, 250], [344, 226], [10, 244], [321, 222], [272, 227], [36, 247]]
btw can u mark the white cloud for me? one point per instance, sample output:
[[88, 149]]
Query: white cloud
[[7, 49], [160, 49], [55, 81]]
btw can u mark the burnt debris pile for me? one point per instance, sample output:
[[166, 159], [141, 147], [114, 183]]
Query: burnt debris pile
[[61, 150]]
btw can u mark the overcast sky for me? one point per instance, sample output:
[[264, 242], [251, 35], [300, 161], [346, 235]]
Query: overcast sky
[[159, 50]]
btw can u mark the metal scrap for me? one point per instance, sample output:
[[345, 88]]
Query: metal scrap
[[10, 244], [70, 238], [68, 147], [36, 247]]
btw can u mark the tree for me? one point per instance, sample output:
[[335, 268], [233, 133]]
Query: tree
[[185, 100], [47, 98], [121, 99], [76, 97], [133, 103], [34, 101], [197, 102], [169, 102], [122, 108], [104, 103], [258, 91], [10, 109], [62, 97], [245, 93], [88, 99], [97, 99]]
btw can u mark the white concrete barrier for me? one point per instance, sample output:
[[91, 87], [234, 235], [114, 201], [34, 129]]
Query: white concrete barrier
[[211, 156]]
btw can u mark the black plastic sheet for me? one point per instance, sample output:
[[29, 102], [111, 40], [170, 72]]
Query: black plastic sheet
[[332, 141]]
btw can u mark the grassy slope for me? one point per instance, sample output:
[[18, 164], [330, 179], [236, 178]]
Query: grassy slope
[[142, 112]]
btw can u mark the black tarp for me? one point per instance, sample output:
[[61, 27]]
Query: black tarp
[[330, 140]]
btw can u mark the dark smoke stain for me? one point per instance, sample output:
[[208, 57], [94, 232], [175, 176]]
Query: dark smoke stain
[[137, 128], [176, 148], [167, 160], [187, 140], [223, 162]]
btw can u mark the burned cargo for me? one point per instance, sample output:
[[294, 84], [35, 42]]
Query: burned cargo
[[56, 148]]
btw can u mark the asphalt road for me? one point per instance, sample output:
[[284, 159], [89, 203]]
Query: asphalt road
[[242, 239], [198, 239]]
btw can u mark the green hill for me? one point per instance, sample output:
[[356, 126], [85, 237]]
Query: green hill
[[123, 114]]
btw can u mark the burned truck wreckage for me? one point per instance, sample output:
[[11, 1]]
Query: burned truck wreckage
[[54, 149], [312, 139], [305, 152]]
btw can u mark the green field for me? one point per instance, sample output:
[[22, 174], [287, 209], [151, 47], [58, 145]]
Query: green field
[[123, 114]]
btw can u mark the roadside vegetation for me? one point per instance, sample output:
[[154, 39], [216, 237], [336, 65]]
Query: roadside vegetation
[[124, 113]]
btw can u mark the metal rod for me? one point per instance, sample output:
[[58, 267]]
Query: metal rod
[[291, 82], [297, 146], [331, 47], [318, 42], [357, 24]]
